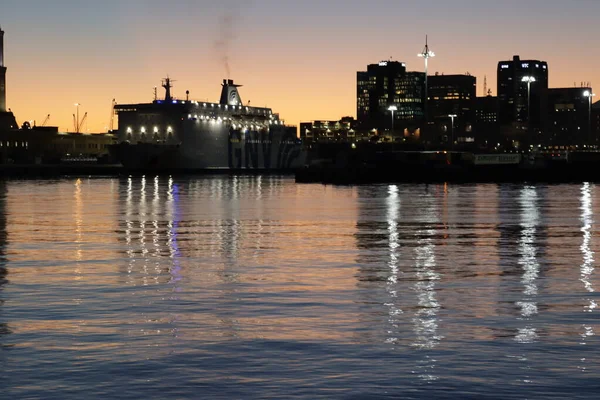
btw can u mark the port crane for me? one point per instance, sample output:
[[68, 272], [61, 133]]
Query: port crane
[[46, 120], [77, 124]]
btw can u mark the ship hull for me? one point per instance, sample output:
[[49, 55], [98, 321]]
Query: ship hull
[[209, 150]]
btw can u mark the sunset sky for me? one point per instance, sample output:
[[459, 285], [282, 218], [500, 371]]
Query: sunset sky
[[298, 57]]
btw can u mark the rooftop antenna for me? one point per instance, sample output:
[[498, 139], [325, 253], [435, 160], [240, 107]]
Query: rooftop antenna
[[155, 93], [426, 54]]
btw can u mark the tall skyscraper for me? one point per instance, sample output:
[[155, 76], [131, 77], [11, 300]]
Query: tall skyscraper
[[522, 94], [388, 84]]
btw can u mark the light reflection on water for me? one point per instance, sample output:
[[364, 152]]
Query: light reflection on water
[[255, 287]]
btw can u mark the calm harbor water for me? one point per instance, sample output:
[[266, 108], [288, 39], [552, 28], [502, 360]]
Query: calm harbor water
[[256, 287]]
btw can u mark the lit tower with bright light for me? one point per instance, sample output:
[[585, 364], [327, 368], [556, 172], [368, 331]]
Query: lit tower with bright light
[[392, 108], [2, 74], [528, 79], [426, 54], [452, 116], [589, 95]]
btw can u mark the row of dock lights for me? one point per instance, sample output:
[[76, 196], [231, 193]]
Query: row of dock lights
[[143, 129]]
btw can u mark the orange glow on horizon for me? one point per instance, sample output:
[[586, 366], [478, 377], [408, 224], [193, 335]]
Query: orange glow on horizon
[[302, 71]]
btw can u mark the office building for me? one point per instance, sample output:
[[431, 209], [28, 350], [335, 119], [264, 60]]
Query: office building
[[328, 131], [596, 123], [568, 117], [388, 84], [522, 91], [486, 120], [452, 95]]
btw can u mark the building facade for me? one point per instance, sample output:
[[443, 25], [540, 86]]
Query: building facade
[[328, 131], [596, 123], [486, 120], [388, 84], [569, 119], [452, 95], [522, 96]]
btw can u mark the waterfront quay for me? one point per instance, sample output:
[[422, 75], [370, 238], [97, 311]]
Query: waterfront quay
[[371, 166]]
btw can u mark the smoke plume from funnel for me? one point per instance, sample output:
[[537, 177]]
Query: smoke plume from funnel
[[226, 35]]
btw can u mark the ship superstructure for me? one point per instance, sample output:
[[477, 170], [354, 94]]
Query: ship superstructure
[[188, 134]]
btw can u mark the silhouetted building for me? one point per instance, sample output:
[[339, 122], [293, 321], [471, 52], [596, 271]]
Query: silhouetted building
[[328, 131], [568, 113], [518, 110], [389, 84], [452, 95], [486, 110], [596, 122], [46, 145], [486, 119]]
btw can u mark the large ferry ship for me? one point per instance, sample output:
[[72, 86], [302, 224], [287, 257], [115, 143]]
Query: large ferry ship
[[173, 134]]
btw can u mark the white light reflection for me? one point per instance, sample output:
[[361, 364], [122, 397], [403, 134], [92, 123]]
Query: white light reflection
[[260, 222], [393, 213], [78, 227], [587, 267], [530, 220], [129, 226], [426, 317], [142, 235], [173, 216], [425, 320], [156, 212]]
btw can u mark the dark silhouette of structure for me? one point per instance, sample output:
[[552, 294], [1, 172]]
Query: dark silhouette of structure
[[452, 95], [2, 74], [568, 113], [329, 131], [388, 84], [522, 97], [7, 119]]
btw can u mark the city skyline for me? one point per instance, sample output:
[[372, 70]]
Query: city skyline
[[298, 59]]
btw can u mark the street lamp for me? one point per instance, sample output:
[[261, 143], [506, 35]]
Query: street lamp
[[392, 108], [589, 95], [452, 116], [529, 80], [426, 55]]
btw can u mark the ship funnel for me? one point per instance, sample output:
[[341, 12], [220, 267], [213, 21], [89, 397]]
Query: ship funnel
[[229, 93]]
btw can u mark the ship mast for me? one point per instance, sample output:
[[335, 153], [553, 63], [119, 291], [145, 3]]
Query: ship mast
[[166, 83]]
